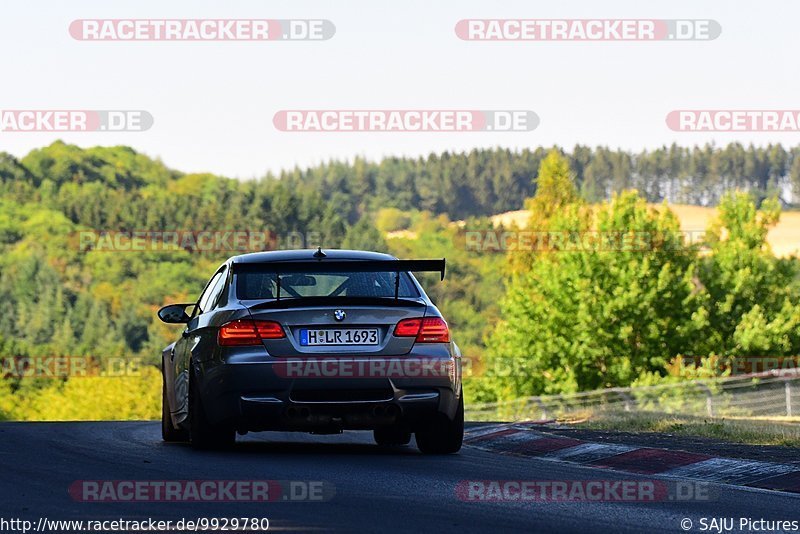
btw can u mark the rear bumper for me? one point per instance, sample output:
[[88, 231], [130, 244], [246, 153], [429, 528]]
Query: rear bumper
[[255, 396]]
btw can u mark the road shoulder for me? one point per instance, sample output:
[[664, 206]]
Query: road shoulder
[[765, 467]]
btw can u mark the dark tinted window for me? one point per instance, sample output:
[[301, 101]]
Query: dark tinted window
[[221, 296], [212, 291], [258, 286]]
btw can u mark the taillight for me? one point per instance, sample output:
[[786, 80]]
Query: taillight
[[426, 330], [434, 330], [407, 328], [248, 332]]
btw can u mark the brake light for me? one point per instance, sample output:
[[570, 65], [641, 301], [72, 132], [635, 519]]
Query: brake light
[[248, 332], [426, 330], [434, 330], [407, 328]]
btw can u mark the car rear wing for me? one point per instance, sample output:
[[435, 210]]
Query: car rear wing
[[343, 266]]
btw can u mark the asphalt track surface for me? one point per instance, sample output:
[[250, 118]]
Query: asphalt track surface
[[376, 489]]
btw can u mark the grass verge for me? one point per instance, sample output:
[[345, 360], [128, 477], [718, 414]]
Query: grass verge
[[783, 431]]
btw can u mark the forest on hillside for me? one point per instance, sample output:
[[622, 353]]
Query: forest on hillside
[[460, 185], [58, 299]]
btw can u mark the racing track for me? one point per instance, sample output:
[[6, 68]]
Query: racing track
[[375, 489]]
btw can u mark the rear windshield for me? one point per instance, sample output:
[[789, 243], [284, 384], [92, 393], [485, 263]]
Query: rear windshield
[[258, 285]]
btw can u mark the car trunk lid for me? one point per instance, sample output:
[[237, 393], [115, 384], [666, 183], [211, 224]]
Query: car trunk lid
[[339, 327]]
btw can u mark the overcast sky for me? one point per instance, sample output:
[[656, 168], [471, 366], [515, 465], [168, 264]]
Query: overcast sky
[[213, 102]]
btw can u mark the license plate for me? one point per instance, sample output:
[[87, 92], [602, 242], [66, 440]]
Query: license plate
[[310, 337]]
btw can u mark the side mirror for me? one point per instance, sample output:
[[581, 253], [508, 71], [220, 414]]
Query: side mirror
[[174, 313]]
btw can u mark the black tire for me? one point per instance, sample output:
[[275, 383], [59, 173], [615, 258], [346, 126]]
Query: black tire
[[169, 433], [203, 434], [388, 436], [443, 436]]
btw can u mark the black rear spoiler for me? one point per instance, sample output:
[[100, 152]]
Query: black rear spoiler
[[344, 266]]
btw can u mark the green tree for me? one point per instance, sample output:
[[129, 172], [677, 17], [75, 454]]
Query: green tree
[[608, 303], [364, 236], [752, 307]]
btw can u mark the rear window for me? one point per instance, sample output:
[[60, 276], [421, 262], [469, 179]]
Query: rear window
[[263, 285]]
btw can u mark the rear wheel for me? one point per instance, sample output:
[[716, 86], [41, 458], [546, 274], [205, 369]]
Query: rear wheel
[[392, 435], [202, 433], [168, 431], [442, 435]]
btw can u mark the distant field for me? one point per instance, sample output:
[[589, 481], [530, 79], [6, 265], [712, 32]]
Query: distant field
[[784, 238]]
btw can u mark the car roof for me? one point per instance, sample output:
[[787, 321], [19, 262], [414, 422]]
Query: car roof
[[308, 254]]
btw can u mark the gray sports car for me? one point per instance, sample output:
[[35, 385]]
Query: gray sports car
[[315, 341]]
